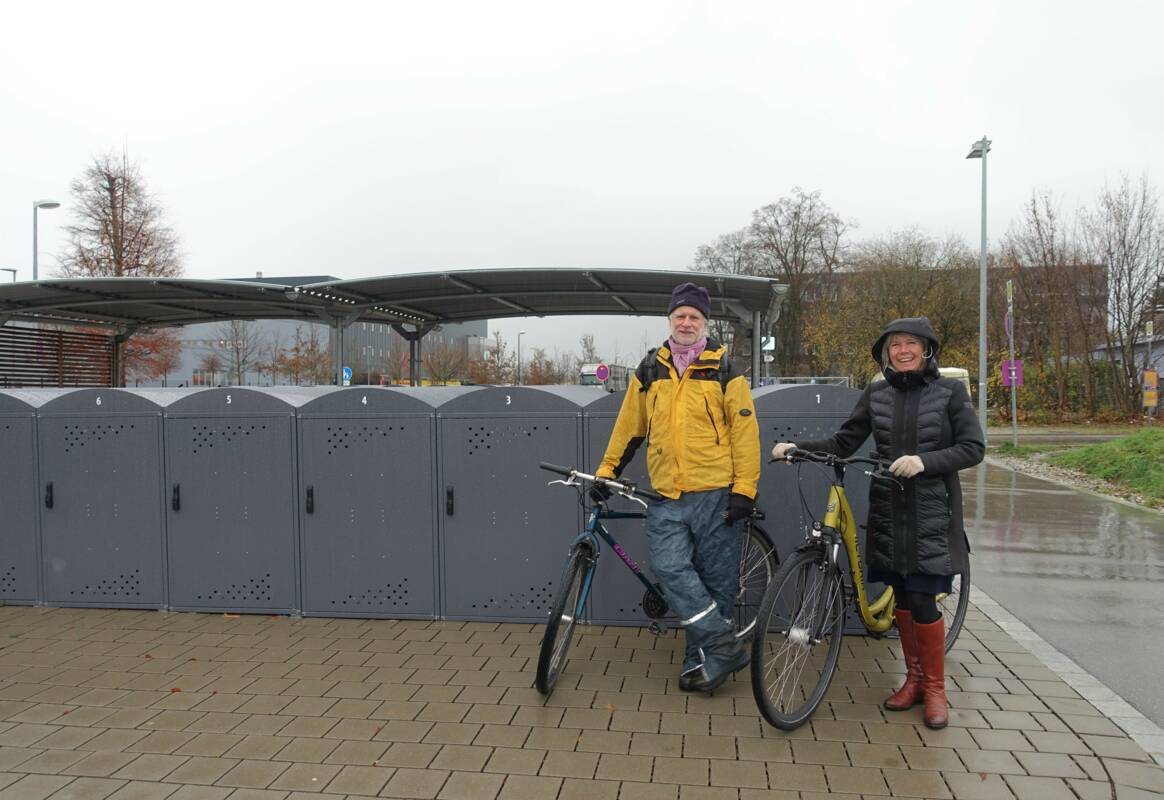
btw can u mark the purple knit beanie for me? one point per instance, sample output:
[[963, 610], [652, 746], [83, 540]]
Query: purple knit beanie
[[688, 294]]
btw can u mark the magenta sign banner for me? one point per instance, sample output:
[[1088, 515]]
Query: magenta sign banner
[[1018, 372]]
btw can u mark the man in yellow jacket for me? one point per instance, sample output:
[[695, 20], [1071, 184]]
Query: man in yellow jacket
[[695, 414]]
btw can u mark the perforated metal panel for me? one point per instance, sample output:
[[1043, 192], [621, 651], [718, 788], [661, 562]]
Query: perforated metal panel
[[19, 581], [100, 453], [367, 505], [504, 532], [617, 595], [230, 500]]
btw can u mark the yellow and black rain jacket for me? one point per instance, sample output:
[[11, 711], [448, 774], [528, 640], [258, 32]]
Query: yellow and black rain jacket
[[700, 428]]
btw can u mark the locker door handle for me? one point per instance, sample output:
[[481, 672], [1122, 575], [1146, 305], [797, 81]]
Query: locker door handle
[[48, 495], [176, 498], [310, 499], [449, 501]]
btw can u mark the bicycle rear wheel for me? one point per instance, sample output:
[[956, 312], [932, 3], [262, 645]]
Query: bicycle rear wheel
[[567, 607], [797, 639], [758, 564], [953, 606]]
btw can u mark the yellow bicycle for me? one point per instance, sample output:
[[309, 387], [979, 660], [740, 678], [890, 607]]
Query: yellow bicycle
[[802, 615]]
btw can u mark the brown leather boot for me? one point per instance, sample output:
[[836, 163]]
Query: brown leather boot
[[931, 647], [910, 694]]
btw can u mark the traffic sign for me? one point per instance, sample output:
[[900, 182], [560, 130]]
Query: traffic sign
[[1014, 373], [347, 376], [602, 372]]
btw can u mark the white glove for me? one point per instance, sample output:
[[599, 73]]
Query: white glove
[[907, 466], [780, 451]]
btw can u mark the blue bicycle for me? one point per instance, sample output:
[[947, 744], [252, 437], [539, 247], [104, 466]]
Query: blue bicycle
[[758, 563]]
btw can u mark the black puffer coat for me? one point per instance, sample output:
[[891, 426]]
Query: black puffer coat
[[918, 530]]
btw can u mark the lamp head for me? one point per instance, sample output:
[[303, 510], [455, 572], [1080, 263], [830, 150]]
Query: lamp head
[[46, 204], [980, 148]]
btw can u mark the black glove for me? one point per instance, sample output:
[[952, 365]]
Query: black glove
[[739, 507], [599, 492]]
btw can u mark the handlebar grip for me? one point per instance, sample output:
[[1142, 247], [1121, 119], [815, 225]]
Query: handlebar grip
[[555, 468]]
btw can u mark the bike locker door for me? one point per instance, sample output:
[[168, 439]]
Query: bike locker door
[[366, 501], [230, 502], [504, 532], [100, 499], [617, 596], [18, 493], [796, 413]]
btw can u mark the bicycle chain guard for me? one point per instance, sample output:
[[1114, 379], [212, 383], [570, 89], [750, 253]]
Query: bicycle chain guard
[[654, 605]]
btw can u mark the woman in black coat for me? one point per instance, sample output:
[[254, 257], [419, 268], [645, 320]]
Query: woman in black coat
[[925, 425]]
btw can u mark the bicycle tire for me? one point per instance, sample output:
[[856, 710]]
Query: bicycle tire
[[804, 598], [758, 564], [953, 606], [568, 601]]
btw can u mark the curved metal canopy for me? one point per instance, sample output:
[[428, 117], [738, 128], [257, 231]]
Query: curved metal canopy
[[424, 299]]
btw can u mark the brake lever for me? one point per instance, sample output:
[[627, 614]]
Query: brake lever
[[629, 495], [567, 482], [881, 476]]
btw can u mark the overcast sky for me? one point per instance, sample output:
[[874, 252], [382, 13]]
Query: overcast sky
[[366, 139]]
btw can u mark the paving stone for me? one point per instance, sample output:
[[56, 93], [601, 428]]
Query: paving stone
[[1115, 747], [141, 790], [990, 761], [932, 758], [739, 774], [855, 780], [812, 752], [33, 787], [252, 774], [484, 786], [977, 786], [309, 777], [360, 780], [515, 762], [199, 770], [1050, 765], [88, 789], [1027, 788], [1149, 777], [910, 783], [695, 771], [421, 783], [614, 767]]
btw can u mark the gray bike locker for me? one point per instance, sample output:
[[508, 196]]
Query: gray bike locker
[[102, 527], [19, 571], [616, 598], [230, 500], [367, 503], [504, 533], [797, 412]]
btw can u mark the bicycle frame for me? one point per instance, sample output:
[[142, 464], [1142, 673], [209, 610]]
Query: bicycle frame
[[877, 616], [595, 530]]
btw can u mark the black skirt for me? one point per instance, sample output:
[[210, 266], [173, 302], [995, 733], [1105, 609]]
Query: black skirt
[[916, 582]]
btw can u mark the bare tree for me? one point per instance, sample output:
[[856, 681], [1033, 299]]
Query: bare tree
[[241, 347], [589, 351], [118, 227], [150, 355], [267, 362], [444, 362], [212, 363], [798, 240], [1125, 231]]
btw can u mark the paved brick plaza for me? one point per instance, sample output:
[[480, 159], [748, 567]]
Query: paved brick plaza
[[126, 704]]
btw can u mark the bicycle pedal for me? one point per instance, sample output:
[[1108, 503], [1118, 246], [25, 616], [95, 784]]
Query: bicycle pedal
[[655, 629]]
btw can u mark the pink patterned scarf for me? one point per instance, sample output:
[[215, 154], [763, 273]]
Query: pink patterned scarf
[[682, 356]]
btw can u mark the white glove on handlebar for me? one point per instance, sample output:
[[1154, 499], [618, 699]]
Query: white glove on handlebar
[[780, 451], [907, 466]]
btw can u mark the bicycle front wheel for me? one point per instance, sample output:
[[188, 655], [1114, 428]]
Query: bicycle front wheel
[[567, 607], [797, 639], [953, 606], [758, 564]]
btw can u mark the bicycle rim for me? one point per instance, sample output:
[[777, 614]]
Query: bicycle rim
[[563, 619], [757, 567], [797, 640], [953, 607]]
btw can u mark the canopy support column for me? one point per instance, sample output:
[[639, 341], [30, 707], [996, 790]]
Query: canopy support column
[[413, 337], [757, 343]]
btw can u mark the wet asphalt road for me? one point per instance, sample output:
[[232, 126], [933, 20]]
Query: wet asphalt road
[[1085, 573]]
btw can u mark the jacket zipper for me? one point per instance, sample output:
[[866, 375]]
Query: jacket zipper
[[711, 419]]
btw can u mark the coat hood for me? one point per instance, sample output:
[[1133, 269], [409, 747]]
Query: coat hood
[[915, 326]]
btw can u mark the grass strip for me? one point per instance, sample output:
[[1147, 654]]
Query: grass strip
[[1134, 462]]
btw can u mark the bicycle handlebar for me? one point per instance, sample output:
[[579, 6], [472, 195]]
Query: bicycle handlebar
[[618, 486], [880, 466]]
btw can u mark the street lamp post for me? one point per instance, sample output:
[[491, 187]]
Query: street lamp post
[[37, 205], [519, 335], [979, 150]]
